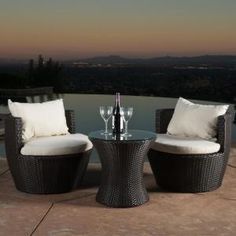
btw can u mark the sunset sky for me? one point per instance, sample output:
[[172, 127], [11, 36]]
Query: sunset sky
[[132, 28]]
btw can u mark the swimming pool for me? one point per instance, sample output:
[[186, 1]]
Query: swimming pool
[[87, 115]]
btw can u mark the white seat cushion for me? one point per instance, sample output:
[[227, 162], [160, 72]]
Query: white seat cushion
[[179, 145], [57, 145]]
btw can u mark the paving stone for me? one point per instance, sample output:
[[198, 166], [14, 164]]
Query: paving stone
[[171, 214], [19, 217], [232, 157], [3, 165]]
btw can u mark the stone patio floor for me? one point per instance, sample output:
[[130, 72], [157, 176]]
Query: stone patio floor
[[77, 213]]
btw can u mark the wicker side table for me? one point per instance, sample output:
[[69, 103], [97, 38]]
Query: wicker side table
[[122, 162]]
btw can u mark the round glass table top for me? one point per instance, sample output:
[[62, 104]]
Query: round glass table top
[[133, 135]]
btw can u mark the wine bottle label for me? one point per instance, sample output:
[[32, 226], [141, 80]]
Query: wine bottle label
[[121, 123]]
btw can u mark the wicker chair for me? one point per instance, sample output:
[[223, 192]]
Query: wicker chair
[[191, 173], [43, 174]]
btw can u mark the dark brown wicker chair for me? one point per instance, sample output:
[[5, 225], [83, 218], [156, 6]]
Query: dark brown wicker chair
[[191, 173], [43, 174]]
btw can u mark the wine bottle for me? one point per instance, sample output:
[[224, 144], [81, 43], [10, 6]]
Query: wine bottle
[[117, 119]]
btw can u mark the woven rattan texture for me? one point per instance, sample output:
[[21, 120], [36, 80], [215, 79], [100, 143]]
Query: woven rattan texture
[[191, 173], [70, 120], [122, 173], [43, 174]]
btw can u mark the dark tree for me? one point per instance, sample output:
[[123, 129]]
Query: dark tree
[[45, 72]]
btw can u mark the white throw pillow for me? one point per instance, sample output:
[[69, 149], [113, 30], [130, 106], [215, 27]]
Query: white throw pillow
[[40, 119], [195, 120]]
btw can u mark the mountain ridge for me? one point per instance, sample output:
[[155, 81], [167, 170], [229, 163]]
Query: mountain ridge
[[116, 59]]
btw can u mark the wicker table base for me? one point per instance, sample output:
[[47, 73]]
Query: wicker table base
[[122, 173]]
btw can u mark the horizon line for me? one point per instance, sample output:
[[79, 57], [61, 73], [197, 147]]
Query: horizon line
[[116, 55]]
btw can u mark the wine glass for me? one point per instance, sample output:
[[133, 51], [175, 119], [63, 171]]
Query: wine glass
[[106, 112], [127, 113]]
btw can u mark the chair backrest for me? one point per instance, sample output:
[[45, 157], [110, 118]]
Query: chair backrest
[[70, 120], [163, 117], [224, 127]]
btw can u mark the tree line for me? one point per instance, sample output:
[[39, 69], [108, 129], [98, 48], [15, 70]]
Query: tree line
[[208, 84]]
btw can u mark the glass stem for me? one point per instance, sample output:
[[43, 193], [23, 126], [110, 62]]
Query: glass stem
[[126, 127], [106, 126]]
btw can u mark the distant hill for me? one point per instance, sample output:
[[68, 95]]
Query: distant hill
[[214, 60], [207, 59]]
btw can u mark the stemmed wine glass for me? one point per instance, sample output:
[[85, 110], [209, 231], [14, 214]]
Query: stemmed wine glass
[[127, 113], [106, 112]]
